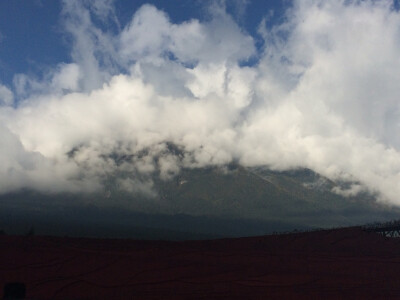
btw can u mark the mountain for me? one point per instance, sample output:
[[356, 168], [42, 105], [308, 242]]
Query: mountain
[[212, 202], [300, 196]]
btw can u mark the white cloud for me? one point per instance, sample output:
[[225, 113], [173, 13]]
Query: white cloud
[[324, 95], [353, 190], [67, 77], [92, 49], [151, 37], [6, 96]]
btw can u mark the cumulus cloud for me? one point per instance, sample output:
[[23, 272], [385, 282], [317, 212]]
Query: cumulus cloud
[[155, 97], [151, 37]]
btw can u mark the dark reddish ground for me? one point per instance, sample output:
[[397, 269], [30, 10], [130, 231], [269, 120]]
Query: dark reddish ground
[[334, 264]]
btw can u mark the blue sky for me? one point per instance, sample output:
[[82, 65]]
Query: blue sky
[[32, 36], [279, 84]]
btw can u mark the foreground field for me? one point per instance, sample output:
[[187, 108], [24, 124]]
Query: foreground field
[[342, 263]]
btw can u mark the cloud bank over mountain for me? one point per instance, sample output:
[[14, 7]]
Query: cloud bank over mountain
[[152, 97]]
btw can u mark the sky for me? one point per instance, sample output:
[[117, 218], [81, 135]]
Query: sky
[[282, 84]]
